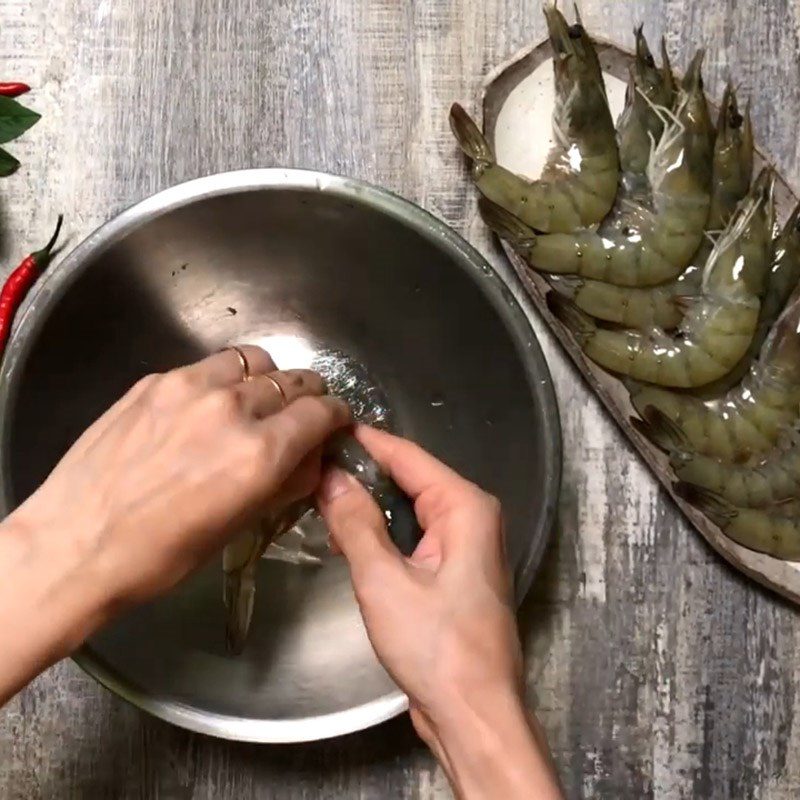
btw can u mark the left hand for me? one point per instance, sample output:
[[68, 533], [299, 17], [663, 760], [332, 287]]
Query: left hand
[[184, 460], [149, 492]]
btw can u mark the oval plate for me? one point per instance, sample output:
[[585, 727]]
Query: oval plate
[[505, 106]]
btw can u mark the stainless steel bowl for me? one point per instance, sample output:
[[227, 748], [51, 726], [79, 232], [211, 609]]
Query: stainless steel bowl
[[427, 338]]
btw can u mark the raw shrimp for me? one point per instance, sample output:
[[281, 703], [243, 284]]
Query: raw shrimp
[[768, 531], [640, 125], [783, 279], [239, 566], [241, 556], [578, 186], [747, 418], [662, 306], [654, 245], [718, 328], [774, 479]]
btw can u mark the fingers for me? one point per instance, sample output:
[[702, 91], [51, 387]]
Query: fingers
[[412, 468], [356, 525], [435, 488], [217, 371], [301, 427], [226, 368], [261, 396], [302, 482]]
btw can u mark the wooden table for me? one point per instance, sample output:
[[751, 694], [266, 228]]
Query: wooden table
[[656, 670]]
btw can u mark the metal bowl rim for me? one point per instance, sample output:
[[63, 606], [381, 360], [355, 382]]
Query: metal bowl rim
[[499, 284]]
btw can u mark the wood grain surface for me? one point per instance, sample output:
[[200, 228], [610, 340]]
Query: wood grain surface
[[657, 671]]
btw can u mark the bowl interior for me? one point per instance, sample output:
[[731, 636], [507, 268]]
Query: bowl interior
[[316, 275]]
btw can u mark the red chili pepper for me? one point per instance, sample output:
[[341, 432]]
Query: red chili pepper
[[20, 281], [13, 89]]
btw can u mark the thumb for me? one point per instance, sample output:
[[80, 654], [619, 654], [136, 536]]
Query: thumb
[[355, 522]]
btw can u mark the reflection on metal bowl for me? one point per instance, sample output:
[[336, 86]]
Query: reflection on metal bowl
[[406, 320]]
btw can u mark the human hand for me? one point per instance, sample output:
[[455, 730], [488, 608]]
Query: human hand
[[153, 488], [441, 622]]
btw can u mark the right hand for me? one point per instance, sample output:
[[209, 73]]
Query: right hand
[[441, 622]]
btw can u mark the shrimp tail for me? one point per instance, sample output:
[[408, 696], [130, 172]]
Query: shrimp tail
[[239, 564], [568, 285], [640, 426], [240, 589], [662, 431], [684, 302], [581, 325], [469, 136], [506, 225], [717, 509], [632, 385], [240, 568]]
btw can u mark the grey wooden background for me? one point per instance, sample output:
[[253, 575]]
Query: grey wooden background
[[657, 671]]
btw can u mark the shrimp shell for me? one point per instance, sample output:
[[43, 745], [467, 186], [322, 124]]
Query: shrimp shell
[[579, 183], [768, 531], [718, 329]]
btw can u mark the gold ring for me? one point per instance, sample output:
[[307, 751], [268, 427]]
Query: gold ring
[[243, 362], [276, 383]]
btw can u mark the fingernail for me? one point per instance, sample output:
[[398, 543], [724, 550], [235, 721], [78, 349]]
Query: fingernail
[[335, 483], [343, 409], [430, 562]]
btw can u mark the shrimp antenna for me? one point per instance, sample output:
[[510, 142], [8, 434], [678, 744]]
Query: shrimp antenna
[[735, 86], [673, 130], [669, 119], [666, 115]]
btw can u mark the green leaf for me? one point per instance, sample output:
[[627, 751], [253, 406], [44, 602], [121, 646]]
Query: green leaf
[[15, 119], [8, 164]]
